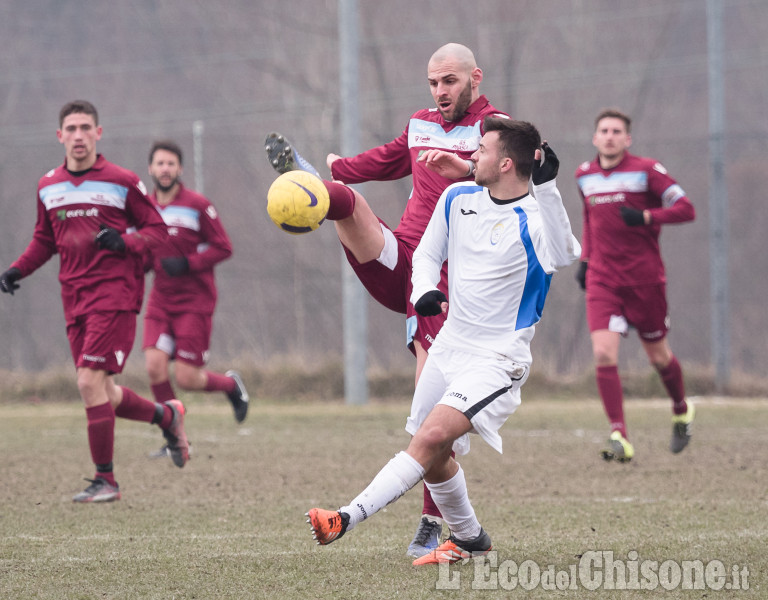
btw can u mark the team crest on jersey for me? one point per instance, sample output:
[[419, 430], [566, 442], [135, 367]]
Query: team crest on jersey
[[211, 212], [660, 168], [120, 356], [496, 233], [584, 166]]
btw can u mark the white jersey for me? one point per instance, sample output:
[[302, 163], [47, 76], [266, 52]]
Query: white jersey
[[501, 256]]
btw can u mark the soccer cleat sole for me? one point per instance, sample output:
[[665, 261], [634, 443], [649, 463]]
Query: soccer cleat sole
[[283, 157], [327, 526]]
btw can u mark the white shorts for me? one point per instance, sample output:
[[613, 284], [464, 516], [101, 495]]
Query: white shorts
[[485, 389]]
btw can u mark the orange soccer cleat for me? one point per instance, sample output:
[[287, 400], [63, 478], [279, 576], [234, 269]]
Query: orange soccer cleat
[[453, 550], [327, 525]]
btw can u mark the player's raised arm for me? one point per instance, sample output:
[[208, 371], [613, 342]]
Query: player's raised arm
[[563, 246], [447, 164]]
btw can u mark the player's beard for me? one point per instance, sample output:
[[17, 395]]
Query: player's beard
[[486, 180], [164, 188], [461, 105]]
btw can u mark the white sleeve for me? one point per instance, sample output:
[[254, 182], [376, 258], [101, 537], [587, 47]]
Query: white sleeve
[[430, 254], [563, 246]]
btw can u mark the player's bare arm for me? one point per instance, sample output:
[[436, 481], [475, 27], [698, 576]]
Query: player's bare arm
[[446, 164]]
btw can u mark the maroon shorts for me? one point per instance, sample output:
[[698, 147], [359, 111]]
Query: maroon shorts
[[102, 340], [643, 307], [392, 288], [184, 336]]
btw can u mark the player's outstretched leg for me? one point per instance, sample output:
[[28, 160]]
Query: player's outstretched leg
[[681, 429], [618, 448], [238, 397], [453, 550], [327, 525], [283, 157], [178, 446]]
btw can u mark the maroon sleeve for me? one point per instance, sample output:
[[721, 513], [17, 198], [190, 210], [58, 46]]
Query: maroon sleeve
[[675, 205], [383, 163], [219, 246], [151, 229], [41, 248]]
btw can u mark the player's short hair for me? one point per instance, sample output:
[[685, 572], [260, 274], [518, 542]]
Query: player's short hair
[[169, 146], [614, 113], [518, 140], [78, 107]]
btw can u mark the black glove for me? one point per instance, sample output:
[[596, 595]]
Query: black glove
[[175, 265], [8, 280], [581, 275], [110, 239], [547, 170], [632, 216], [429, 304]]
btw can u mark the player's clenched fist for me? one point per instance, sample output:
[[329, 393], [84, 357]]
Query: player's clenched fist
[[8, 280], [431, 303]]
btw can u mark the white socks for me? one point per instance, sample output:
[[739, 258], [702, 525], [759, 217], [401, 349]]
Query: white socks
[[397, 477], [453, 501]]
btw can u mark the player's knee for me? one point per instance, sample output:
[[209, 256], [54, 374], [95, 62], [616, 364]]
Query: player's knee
[[603, 358], [88, 385], [432, 439], [155, 371]]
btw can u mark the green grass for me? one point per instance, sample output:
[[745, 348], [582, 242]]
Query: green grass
[[231, 525]]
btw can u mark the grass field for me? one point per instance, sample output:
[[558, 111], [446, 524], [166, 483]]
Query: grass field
[[231, 525]]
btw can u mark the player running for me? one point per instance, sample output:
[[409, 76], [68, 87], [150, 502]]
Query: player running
[[179, 315], [502, 246], [97, 218], [381, 257], [626, 200]]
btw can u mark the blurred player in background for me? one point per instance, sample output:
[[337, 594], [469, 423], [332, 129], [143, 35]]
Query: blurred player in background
[[381, 257], [97, 218], [502, 246], [179, 315], [626, 200]]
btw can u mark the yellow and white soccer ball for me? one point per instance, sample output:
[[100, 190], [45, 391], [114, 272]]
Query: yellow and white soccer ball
[[297, 202]]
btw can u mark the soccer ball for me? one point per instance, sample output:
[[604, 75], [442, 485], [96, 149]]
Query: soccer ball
[[297, 202]]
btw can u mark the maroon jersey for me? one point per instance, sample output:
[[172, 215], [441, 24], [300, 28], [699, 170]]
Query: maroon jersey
[[70, 209], [618, 254], [426, 130], [195, 232]]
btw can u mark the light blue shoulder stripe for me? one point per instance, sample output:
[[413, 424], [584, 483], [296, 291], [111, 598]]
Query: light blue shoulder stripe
[[103, 187], [536, 280]]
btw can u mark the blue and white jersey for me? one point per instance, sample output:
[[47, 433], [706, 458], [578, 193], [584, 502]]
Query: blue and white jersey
[[501, 256]]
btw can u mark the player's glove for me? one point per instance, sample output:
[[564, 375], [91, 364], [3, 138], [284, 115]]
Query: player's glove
[[581, 275], [545, 170], [175, 265], [8, 280], [109, 238], [429, 304], [632, 216]]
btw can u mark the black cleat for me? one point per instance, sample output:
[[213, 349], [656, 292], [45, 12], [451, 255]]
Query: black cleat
[[238, 397], [284, 158]]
